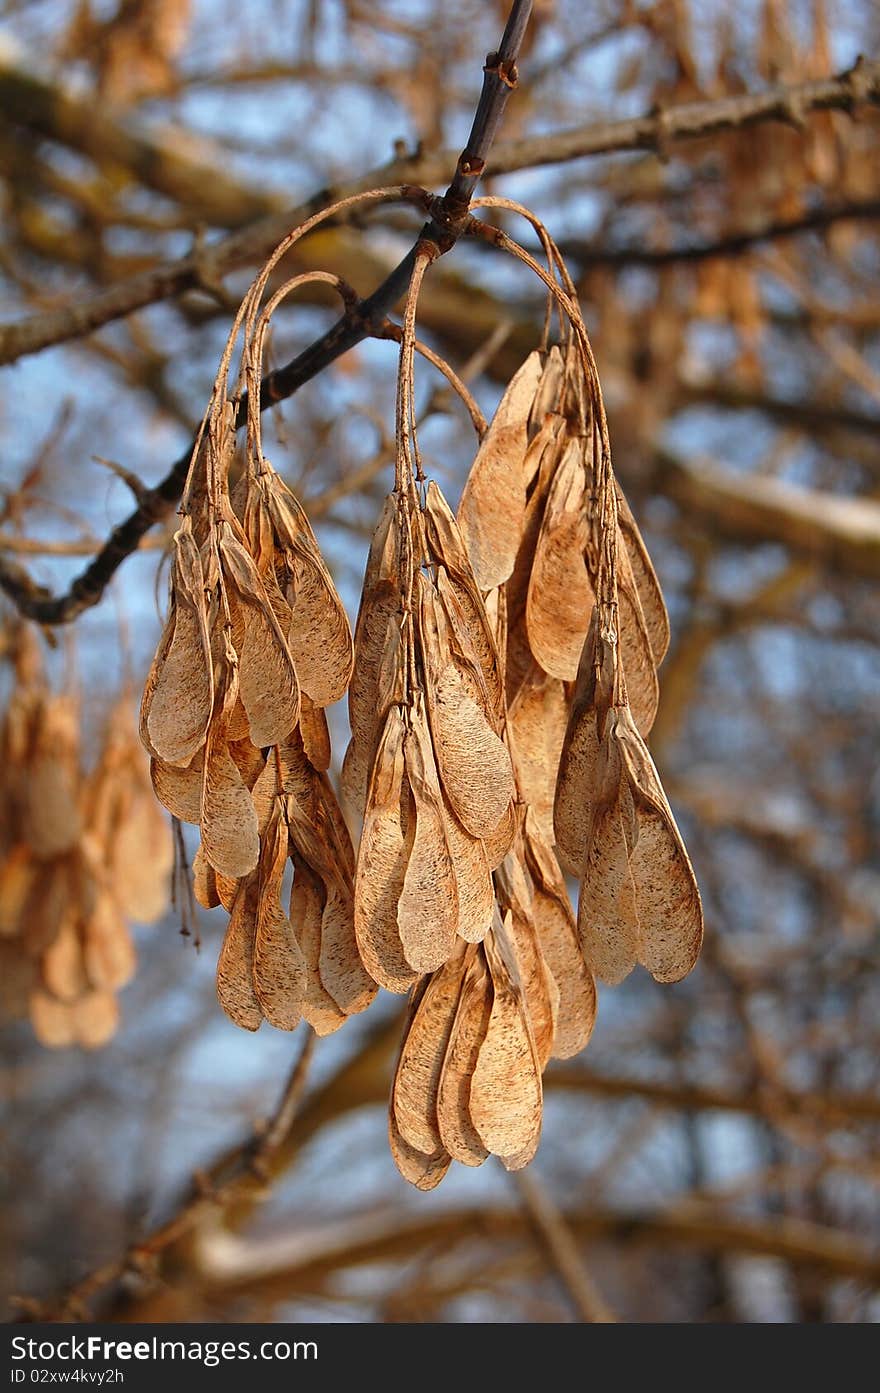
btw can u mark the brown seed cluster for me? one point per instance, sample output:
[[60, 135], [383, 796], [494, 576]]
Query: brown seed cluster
[[501, 682], [80, 855]]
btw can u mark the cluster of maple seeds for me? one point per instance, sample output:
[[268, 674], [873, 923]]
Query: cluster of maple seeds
[[501, 681], [81, 854]]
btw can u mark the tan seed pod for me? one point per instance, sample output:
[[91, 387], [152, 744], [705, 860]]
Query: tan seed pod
[[457, 1132], [108, 951], [424, 1172], [279, 968], [230, 834], [315, 733], [560, 597], [179, 788], [95, 1019], [18, 872], [268, 685], [536, 732], [235, 966], [62, 966], [557, 933], [645, 580], [475, 892], [306, 912], [473, 763], [179, 695], [506, 1101], [427, 912], [417, 1082], [51, 1019], [492, 508], [382, 860], [341, 970]]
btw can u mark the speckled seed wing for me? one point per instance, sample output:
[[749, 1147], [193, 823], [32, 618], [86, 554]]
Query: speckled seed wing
[[537, 725], [645, 579], [492, 506], [473, 879], [506, 1099], [235, 966], [181, 692], [381, 865], [343, 975], [608, 922], [557, 932], [473, 763], [457, 1132], [306, 910], [179, 788], [425, 1172], [666, 893], [230, 835], [427, 912], [417, 1082], [560, 597], [279, 968], [268, 684], [636, 654]]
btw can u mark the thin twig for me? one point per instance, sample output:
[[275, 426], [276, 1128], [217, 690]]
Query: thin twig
[[447, 219], [250, 1162], [557, 1239]]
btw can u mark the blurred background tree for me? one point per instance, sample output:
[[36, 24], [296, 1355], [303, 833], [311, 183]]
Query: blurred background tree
[[712, 1155]]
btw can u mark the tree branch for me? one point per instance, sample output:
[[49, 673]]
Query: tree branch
[[589, 255], [688, 121], [367, 317]]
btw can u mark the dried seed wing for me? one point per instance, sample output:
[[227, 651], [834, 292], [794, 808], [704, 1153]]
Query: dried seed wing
[[249, 760], [492, 508], [315, 733], [474, 765], [18, 873], [666, 892], [182, 696], [51, 1019], [506, 1100], [548, 391], [541, 993], [472, 647], [50, 821], [235, 966], [179, 788], [306, 910], [230, 834], [667, 899], [497, 842], [62, 966], [425, 1172], [576, 786], [537, 725], [108, 950], [473, 879], [142, 861], [95, 1019], [608, 924], [457, 1132], [427, 913], [156, 666], [342, 973], [381, 864], [416, 1084], [204, 881], [279, 968], [645, 578], [319, 636], [640, 671], [560, 597], [268, 684], [557, 933]]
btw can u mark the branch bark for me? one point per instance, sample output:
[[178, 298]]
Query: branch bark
[[657, 131]]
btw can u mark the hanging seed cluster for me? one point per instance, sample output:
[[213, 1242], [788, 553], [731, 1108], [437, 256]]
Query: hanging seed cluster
[[81, 854], [501, 683]]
